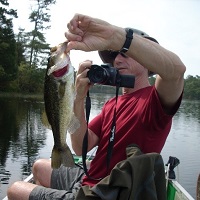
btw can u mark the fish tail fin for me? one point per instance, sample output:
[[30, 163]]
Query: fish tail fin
[[60, 156]]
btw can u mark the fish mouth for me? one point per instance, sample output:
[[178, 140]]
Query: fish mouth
[[61, 64], [61, 72]]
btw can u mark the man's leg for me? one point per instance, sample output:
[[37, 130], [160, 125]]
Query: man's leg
[[20, 190], [42, 172], [42, 176], [65, 183]]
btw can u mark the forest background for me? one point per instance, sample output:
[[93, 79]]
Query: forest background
[[23, 56]]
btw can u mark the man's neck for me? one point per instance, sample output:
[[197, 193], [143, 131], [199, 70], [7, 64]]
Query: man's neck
[[139, 84]]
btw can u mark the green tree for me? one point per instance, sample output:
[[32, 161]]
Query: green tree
[[8, 66], [30, 80], [37, 48], [20, 46], [192, 87], [152, 80]]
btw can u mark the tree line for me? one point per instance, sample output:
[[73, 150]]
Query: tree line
[[191, 87], [23, 56]]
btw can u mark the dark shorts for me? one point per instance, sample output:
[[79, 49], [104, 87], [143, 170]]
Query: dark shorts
[[65, 183]]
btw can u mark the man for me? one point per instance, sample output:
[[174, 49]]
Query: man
[[144, 113]]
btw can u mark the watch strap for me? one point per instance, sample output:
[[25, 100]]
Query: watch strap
[[127, 43]]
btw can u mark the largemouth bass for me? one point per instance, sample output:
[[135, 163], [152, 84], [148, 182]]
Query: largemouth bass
[[59, 99]]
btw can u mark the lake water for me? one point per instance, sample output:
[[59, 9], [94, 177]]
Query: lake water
[[23, 139]]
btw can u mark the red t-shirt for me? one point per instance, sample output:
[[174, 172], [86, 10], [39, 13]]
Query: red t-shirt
[[140, 120]]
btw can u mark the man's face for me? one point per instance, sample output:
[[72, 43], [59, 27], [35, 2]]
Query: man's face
[[127, 65]]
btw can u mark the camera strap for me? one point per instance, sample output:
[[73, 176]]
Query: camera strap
[[112, 131], [111, 138], [85, 139]]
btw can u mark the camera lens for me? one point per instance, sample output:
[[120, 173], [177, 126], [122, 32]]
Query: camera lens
[[98, 74]]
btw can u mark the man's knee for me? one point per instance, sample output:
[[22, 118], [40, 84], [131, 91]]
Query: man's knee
[[15, 190], [42, 172], [19, 190], [11, 192]]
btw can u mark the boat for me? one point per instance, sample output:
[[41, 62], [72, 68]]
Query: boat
[[174, 190]]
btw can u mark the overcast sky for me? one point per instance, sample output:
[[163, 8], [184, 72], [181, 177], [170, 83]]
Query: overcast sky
[[174, 23]]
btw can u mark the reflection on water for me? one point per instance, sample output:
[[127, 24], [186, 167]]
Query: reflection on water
[[23, 138]]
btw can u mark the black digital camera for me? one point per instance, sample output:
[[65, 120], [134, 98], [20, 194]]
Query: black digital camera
[[106, 74]]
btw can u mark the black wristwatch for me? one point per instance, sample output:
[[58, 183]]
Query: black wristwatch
[[129, 37]]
